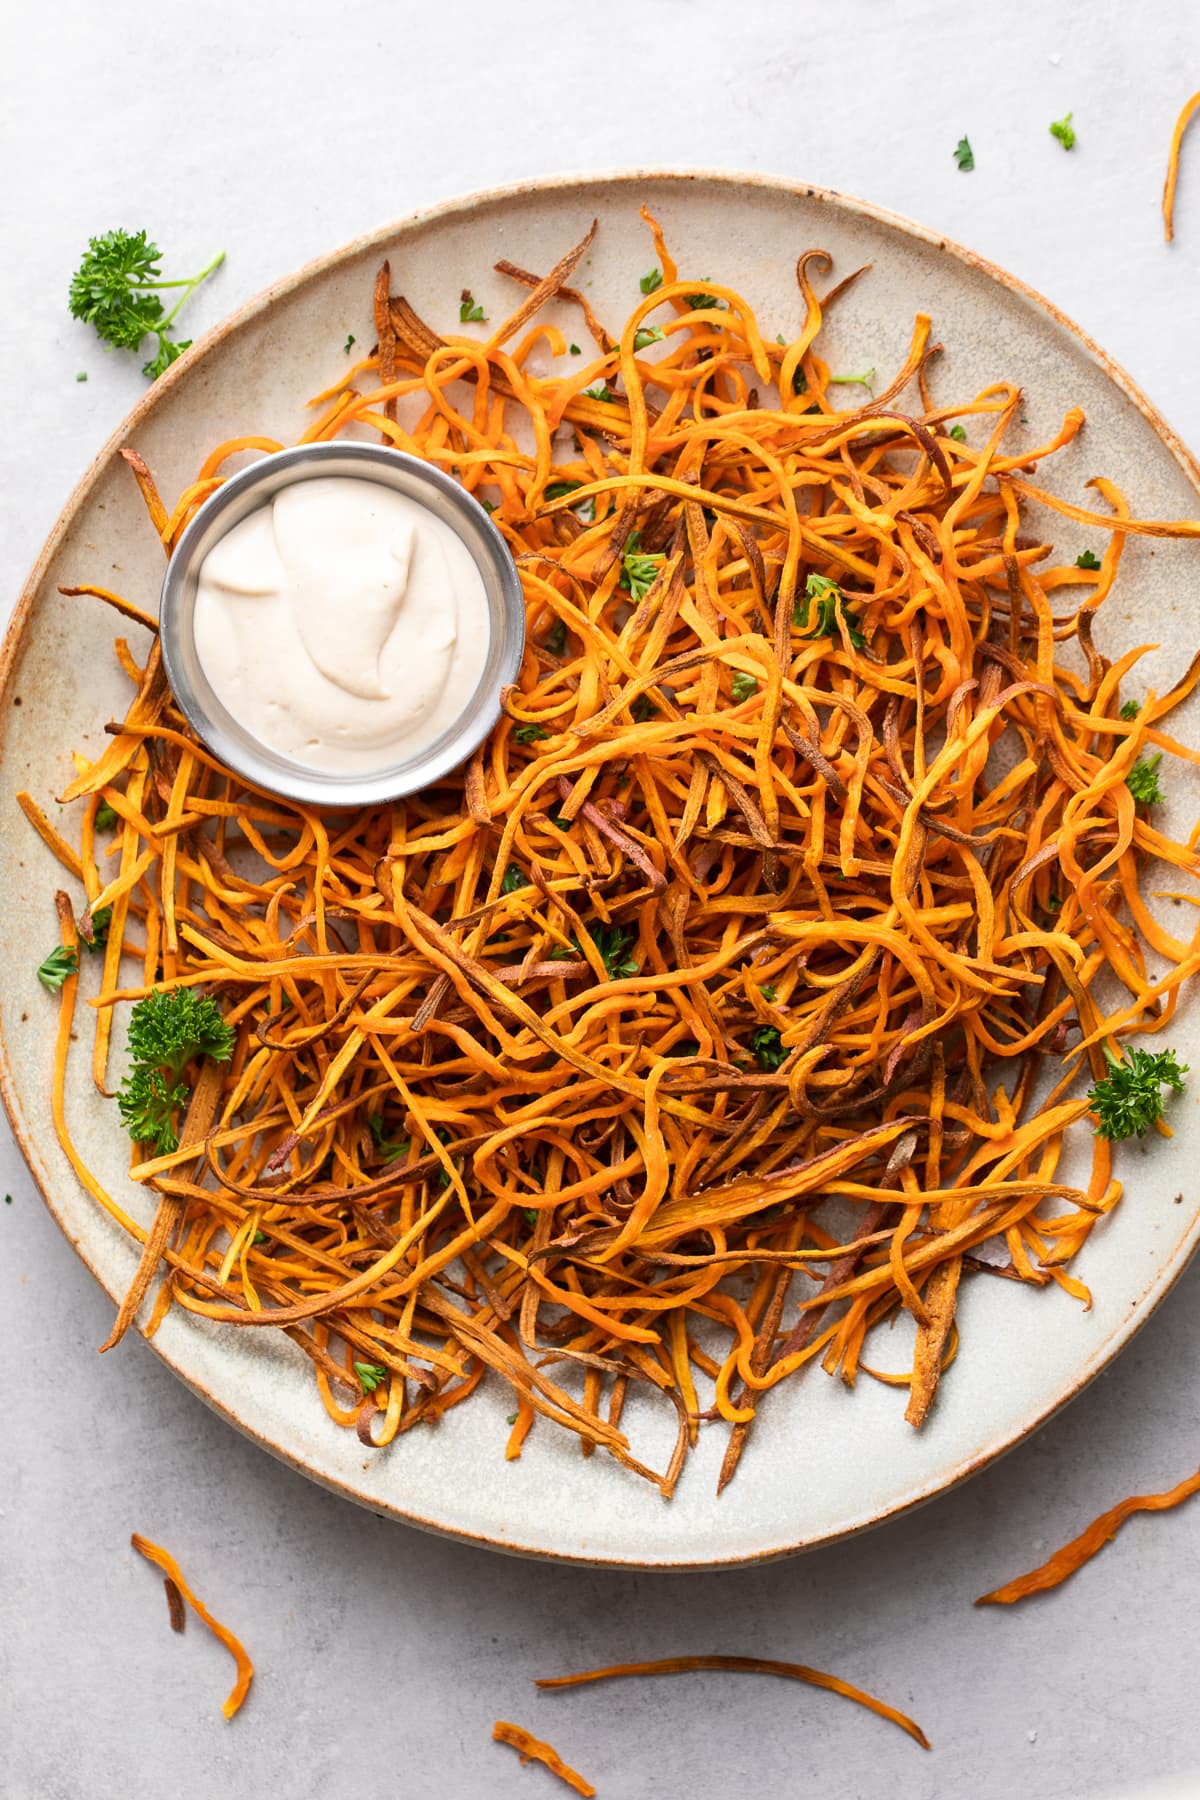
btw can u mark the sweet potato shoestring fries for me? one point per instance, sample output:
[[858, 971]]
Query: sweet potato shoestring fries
[[550, 1069]]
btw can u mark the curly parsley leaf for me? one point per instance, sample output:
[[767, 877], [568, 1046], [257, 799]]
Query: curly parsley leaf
[[614, 943], [1143, 783], [831, 605], [704, 302], [767, 1044], [116, 290], [1129, 1099], [1086, 560], [638, 567], [530, 734], [370, 1375], [388, 1148], [60, 963]]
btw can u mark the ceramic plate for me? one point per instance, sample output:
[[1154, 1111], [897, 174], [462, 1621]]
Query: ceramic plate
[[823, 1461]]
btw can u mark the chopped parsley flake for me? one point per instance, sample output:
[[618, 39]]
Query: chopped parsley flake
[[638, 567], [60, 963], [767, 1044], [1143, 783]]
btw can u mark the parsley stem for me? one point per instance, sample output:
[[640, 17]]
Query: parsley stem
[[189, 288]]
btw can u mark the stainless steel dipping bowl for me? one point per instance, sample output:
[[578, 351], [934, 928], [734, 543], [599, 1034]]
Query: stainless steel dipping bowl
[[252, 487]]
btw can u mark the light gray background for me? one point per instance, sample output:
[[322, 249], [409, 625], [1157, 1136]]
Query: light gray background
[[279, 130]]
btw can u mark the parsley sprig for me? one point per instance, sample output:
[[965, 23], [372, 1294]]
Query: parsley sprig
[[1129, 1099], [167, 1031], [116, 288]]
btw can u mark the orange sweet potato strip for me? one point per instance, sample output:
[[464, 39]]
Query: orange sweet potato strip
[[1081, 1550], [245, 1668], [534, 1749], [941, 1295], [1168, 199], [745, 1665]]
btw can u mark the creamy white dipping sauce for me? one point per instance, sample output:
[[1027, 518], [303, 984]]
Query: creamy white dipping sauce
[[342, 624]]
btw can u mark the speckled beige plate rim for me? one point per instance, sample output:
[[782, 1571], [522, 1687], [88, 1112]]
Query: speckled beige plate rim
[[205, 347]]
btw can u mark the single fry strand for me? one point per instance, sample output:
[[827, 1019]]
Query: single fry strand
[[532, 1749], [746, 1665], [245, 1668], [1065, 1562]]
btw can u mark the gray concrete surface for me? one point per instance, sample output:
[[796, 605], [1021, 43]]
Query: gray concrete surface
[[277, 131]]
